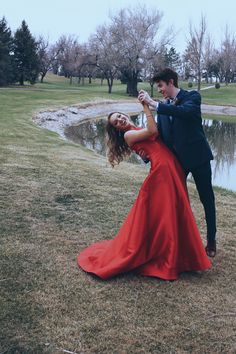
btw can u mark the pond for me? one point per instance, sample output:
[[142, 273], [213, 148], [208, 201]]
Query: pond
[[221, 137]]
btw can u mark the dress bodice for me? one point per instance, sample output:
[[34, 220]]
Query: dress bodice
[[154, 148], [147, 145]]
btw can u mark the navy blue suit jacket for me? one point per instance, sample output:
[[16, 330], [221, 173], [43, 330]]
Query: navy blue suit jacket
[[184, 134]]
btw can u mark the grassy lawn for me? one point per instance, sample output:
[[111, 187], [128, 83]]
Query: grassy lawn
[[226, 95], [57, 198]]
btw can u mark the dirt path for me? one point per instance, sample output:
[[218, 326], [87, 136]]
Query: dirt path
[[58, 120]]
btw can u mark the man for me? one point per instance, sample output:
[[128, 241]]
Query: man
[[180, 127]]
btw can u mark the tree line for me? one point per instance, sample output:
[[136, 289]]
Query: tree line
[[132, 47]]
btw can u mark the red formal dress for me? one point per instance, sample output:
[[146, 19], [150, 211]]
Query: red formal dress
[[159, 237]]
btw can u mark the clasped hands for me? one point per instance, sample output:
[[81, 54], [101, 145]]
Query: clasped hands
[[144, 98]]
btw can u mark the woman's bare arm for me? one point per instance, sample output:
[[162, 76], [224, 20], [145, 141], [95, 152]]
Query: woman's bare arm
[[134, 136]]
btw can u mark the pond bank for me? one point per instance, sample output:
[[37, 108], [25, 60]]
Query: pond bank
[[58, 120]]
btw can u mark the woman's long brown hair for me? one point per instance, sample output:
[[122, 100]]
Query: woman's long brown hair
[[118, 149]]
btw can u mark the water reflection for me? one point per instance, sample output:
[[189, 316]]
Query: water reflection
[[221, 136], [222, 139], [92, 134]]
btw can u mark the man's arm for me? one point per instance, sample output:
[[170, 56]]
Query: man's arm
[[143, 156], [190, 107]]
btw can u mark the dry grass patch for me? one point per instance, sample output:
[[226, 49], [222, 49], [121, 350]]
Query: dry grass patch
[[57, 203]]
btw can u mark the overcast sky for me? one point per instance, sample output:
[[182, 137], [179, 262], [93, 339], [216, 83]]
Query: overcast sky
[[52, 18]]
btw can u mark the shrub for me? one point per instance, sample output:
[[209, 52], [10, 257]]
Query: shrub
[[190, 84], [217, 85]]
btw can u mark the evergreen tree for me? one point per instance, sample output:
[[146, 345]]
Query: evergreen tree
[[172, 59], [6, 62], [25, 55]]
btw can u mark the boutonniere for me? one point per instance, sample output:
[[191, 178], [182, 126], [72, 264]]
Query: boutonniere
[[176, 102]]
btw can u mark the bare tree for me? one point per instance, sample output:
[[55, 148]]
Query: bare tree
[[133, 32], [228, 52], [69, 51], [194, 51], [75, 59], [208, 58], [222, 64], [154, 61], [47, 56], [86, 64], [157, 56], [43, 57], [101, 44]]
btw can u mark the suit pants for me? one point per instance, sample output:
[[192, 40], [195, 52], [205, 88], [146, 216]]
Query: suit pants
[[202, 178]]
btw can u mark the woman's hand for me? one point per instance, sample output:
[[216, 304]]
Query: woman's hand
[[142, 102], [145, 105], [146, 108]]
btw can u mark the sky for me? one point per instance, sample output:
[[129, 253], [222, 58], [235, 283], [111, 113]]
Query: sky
[[52, 18]]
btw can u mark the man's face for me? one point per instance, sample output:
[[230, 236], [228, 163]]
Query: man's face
[[165, 89]]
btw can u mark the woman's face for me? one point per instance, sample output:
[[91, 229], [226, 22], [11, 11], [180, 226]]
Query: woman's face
[[120, 121]]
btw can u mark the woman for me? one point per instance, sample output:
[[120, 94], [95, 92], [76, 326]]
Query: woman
[[159, 237]]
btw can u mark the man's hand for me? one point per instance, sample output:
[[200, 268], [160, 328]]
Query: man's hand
[[144, 97], [143, 156]]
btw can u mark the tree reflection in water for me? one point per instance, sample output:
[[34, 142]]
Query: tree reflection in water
[[92, 134], [221, 137]]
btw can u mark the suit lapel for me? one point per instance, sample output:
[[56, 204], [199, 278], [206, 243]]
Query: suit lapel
[[180, 96], [164, 121], [177, 101]]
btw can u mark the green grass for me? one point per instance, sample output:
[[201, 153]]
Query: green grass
[[57, 198], [223, 96], [226, 95]]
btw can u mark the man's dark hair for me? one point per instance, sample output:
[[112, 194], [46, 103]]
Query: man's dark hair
[[166, 75]]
